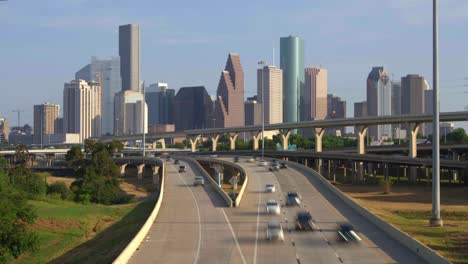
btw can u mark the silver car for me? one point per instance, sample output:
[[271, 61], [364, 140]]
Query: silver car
[[274, 231], [273, 207], [199, 181], [270, 188], [263, 163]]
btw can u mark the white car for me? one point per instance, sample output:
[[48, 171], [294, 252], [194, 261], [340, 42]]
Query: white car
[[274, 231], [199, 181], [270, 188], [263, 163], [273, 207]]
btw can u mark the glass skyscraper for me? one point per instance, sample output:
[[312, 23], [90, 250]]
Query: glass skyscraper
[[292, 64]]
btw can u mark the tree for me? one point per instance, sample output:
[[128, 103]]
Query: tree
[[22, 178], [458, 135], [16, 215]]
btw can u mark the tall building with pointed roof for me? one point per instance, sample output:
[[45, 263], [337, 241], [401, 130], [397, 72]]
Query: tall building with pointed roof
[[229, 108]]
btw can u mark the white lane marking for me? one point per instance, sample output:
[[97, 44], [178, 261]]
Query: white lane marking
[[234, 236], [258, 219], [199, 220]]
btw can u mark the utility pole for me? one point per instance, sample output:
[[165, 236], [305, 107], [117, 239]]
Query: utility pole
[[262, 63], [143, 117]]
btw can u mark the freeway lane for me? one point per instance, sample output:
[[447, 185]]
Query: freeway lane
[[310, 247], [191, 226]]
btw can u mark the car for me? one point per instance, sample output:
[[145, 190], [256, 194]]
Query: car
[[274, 168], [176, 161], [347, 234], [236, 159], [182, 169], [199, 181], [293, 199], [273, 207], [263, 163], [270, 188], [251, 160], [214, 156], [283, 165], [304, 221], [274, 231]]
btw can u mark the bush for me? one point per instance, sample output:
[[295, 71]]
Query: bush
[[32, 184], [60, 188]]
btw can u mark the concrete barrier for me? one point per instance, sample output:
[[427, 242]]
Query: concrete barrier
[[406, 240], [241, 192], [127, 253], [213, 183]]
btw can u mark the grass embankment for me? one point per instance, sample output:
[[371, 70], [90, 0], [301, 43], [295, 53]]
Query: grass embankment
[[409, 209]]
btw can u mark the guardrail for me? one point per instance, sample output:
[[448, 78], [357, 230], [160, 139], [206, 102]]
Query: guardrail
[[237, 167], [412, 244], [127, 253], [218, 189]]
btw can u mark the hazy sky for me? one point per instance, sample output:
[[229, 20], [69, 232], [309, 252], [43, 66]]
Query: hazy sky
[[185, 43]]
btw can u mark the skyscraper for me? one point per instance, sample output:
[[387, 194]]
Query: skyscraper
[[360, 109], [336, 108], [129, 52], [315, 94], [193, 109], [379, 100], [160, 101], [4, 131], [292, 64], [253, 112], [45, 121], [229, 108], [111, 84], [82, 109], [271, 78], [413, 89], [129, 114]]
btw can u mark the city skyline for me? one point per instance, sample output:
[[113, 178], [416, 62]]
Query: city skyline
[[412, 57]]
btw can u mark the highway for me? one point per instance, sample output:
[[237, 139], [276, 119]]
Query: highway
[[191, 226]]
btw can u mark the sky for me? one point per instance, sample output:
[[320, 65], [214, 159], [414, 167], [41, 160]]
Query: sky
[[186, 43]]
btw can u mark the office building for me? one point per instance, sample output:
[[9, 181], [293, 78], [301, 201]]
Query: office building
[[82, 109], [336, 109], [379, 101], [360, 109], [413, 88], [253, 112], [193, 109], [129, 52], [4, 131], [271, 79], [292, 64], [107, 71], [160, 101], [315, 94], [229, 108], [45, 121], [129, 113]]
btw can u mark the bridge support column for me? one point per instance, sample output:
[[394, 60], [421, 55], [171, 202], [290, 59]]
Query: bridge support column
[[414, 129], [193, 142], [319, 132], [285, 138], [361, 132], [214, 143], [156, 177], [232, 140], [154, 144], [306, 162], [140, 169], [413, 174], [256, 140], [386, 171], [122, 170]]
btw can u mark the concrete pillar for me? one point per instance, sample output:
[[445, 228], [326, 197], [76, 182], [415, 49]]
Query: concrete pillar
[[413, 129], [361, 132], [386, 171], [163, 143], [214, 143], [306, 162], [359, 171], [256, 139], [156, 178], [193, 143], [232, 140], [122, 170], [285, 138], [319, 132], [140, 169], [413, 174]]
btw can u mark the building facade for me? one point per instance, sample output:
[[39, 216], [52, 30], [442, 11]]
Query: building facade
[[106, 71], [315, 94], [292, 64], [379, 101], [360, 109], [270, 79], [160, 101], [82, 109], [253, 112], [4, 131], [193, 109], [229, 107], [45, 121], [129, 52], [129, 113], [413, 88], [336, 109], [429, 109]]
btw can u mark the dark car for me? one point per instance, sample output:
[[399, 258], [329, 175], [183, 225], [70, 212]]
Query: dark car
[[283, 165], [304, 221], [176, 161], [347, 233], [181, 168], [293, 199]]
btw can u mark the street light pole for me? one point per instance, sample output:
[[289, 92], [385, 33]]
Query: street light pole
[[435, 219], [143, 117], [262, 63]]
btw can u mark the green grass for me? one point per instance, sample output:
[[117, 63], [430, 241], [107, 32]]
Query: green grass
[[77, 233]]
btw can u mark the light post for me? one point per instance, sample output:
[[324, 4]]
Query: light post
[[435, 219], [143, 117], [262, 63], [42, 121]]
